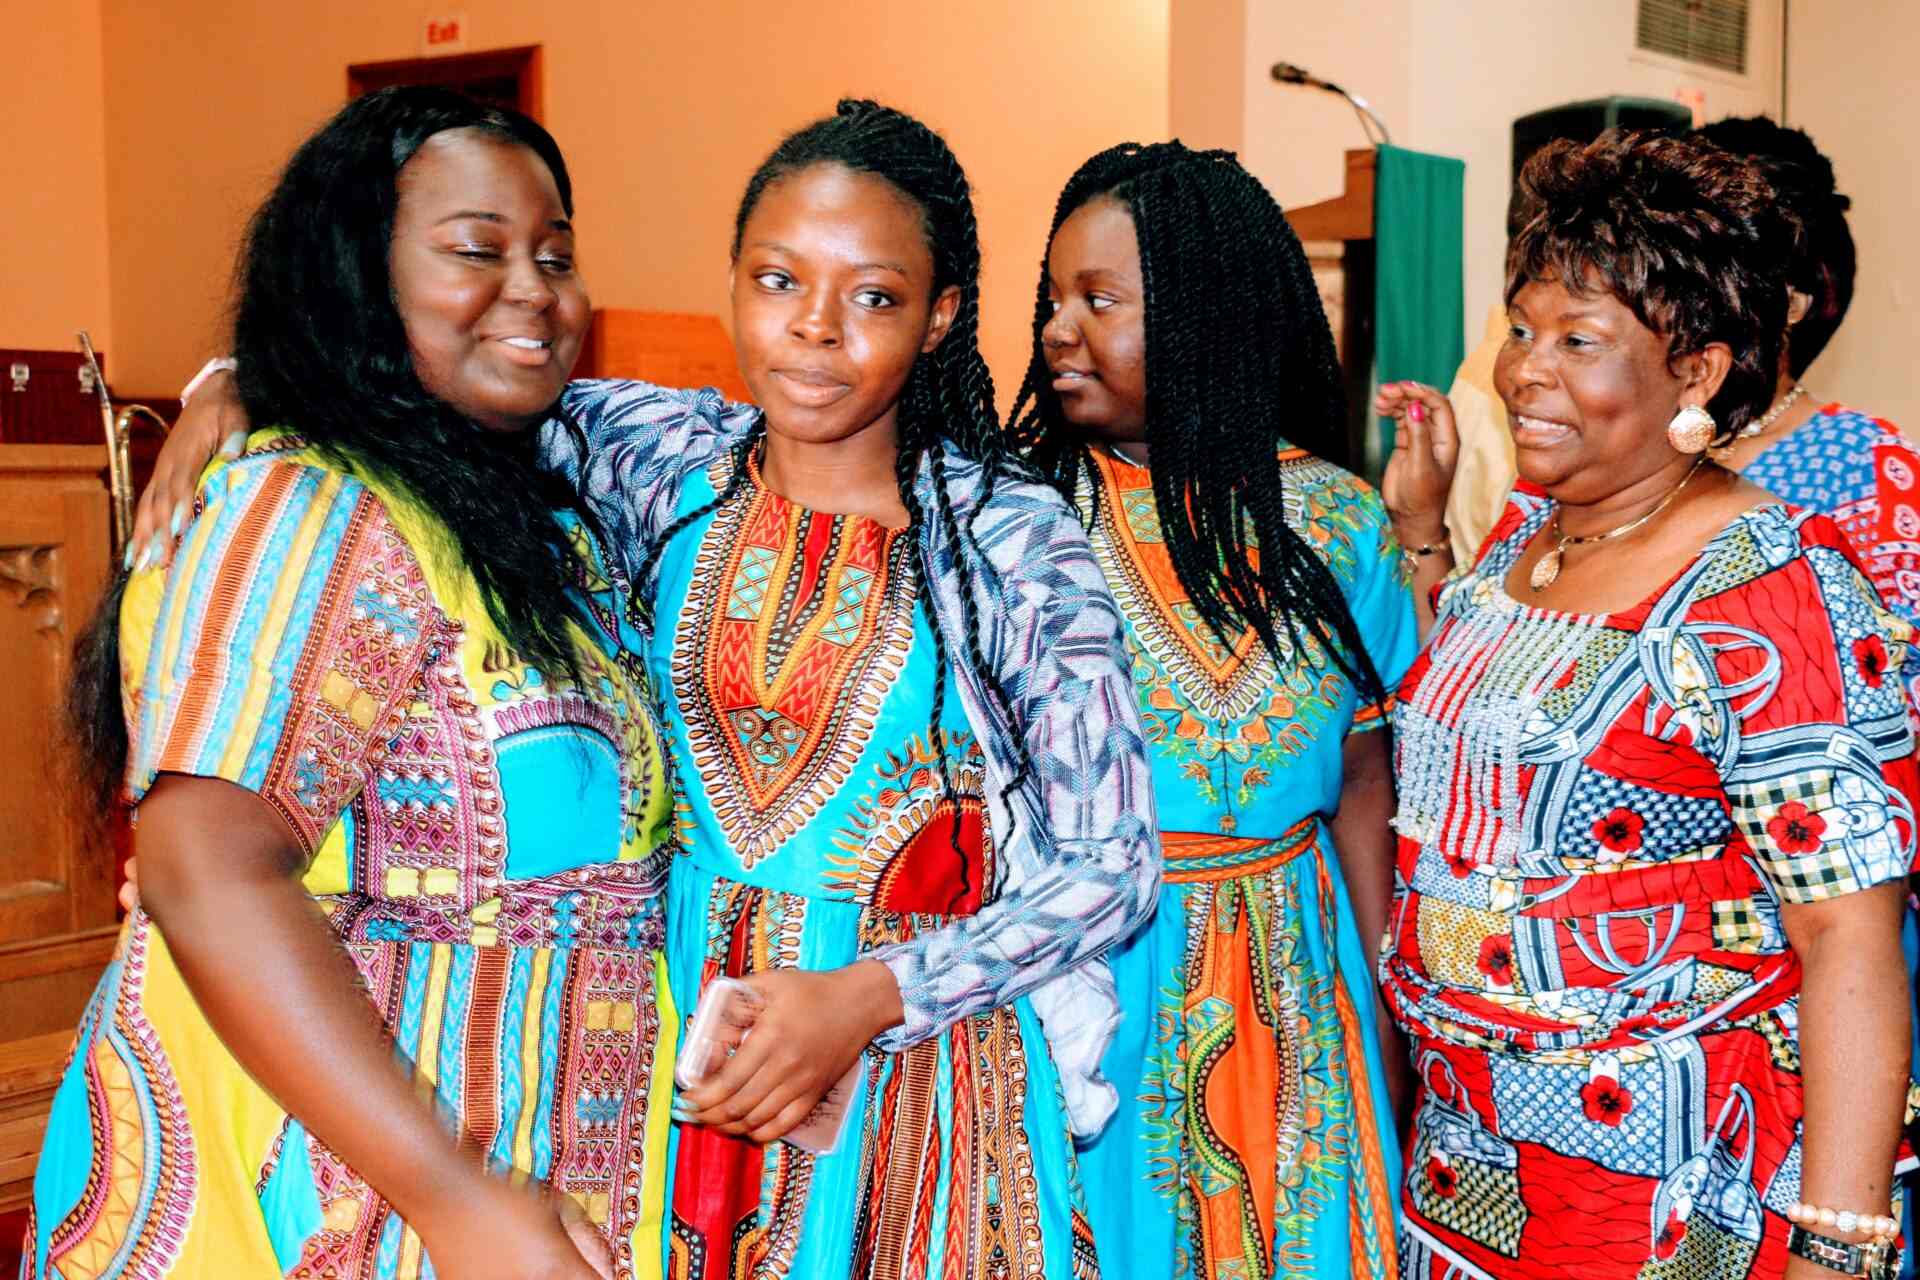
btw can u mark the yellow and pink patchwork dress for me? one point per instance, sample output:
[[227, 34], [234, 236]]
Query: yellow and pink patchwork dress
[[487, 840]]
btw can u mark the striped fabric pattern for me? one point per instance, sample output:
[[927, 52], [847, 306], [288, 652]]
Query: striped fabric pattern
[[487, 841]]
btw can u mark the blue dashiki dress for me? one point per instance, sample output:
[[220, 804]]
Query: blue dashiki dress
[[799, 669], [1255, 1138], [801, 676]]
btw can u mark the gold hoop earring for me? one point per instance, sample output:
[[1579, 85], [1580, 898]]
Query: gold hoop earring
[[1691, 430]]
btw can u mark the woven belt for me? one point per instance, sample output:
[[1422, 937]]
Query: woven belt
[[1195, 856]]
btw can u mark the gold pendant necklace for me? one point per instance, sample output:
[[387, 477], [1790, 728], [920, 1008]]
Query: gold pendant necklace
[[1547, 569]]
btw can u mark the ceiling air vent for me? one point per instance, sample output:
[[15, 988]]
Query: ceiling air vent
[[1712, 33]]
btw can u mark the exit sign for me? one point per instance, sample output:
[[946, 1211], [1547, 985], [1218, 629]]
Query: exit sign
[[444, 33]]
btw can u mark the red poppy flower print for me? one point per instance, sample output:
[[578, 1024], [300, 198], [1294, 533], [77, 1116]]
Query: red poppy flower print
[[1441, 1177], [1496, 959], [1667, 1243], [1606, 1102], [1796, 829], [1619, 834], [1870, 657]]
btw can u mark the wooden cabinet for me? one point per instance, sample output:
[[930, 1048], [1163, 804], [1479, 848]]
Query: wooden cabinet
[[47, 397]]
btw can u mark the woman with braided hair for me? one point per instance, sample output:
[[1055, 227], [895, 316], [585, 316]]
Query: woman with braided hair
[[914, 799], [913, 783], [1184, 391]]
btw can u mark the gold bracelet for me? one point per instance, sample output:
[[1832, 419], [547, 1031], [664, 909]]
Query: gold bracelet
[[1410, 557]]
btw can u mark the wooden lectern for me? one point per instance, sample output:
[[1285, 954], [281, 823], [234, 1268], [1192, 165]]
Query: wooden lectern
[[1338, 235]]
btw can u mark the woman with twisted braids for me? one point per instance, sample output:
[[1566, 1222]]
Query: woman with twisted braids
[[1184, 391], [914, 799]]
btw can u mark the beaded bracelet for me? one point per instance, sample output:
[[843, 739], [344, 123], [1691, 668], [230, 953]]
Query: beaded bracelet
[[1810, 1215]]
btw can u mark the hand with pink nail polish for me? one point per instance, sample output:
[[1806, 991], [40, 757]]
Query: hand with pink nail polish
[[1426, 449]]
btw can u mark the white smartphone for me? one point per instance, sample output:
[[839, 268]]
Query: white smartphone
[[723, 1019]]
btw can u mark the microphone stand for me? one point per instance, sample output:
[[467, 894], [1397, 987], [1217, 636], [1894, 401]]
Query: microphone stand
[[1287, 73]]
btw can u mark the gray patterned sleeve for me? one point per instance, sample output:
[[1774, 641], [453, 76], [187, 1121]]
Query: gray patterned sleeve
[[1084, 869], [627, 431]]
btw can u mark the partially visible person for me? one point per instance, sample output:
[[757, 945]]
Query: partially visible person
[[1656, 781], [1806, 449], [1267, 617], [1483, 478], [400, 807]]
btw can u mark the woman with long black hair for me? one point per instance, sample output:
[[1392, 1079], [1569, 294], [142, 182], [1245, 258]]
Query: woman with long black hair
[[1184, 390], [399, 796]]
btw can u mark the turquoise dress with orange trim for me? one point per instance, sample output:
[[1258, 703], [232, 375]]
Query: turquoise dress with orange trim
[[800, 676], [488, 843], [1254, 1137]]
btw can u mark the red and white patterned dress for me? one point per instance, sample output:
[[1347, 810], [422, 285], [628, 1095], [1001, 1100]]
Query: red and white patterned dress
[[1601, 817]]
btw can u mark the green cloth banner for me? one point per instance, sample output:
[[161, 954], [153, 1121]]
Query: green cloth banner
[[1418, 300]]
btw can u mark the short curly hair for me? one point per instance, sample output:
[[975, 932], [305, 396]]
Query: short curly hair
[[1687, 236], [1824, 262]]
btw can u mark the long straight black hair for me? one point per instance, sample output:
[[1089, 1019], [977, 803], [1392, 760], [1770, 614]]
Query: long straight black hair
[[323, 352], [1240, 363]]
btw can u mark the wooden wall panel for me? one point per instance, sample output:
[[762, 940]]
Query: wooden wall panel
[[55, 869]]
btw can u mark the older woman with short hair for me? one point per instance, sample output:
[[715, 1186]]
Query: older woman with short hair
[[1656, 780]]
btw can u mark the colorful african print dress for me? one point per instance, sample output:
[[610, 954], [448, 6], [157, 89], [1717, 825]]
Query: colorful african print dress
[[486, 841], [1866, 475], [1255, 1137], [801, 679], [1601, 818]]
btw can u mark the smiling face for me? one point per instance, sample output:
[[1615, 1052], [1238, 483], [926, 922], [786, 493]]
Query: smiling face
[[1096, 342], [1589, 391], [833, 302], [483, 278]]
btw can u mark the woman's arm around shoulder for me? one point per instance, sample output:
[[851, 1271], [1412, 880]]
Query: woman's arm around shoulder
[[624, 445], [1086, 872]]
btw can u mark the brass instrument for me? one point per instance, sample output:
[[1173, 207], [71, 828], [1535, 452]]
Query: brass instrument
[[119, 435]]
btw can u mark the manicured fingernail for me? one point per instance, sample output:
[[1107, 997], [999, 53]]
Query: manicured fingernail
[[146, 554], [159, 546], [1417, 411], [126, 561], [234, 445], [680, 1113], [179, 518]]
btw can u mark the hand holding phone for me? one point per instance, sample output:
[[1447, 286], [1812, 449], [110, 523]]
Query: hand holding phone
[[765, 1058], [727, 1010]]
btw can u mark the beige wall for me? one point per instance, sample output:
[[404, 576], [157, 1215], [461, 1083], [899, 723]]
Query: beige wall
[[53, 219], [1849, 76], [1449, 76], [1206, 44], [663, 108]]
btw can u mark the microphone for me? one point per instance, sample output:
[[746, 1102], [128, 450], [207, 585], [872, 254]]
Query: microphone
[[1290, 73]]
